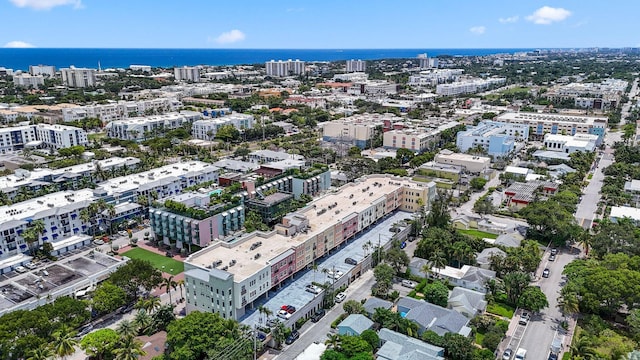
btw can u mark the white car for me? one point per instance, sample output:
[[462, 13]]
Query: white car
[[408, 283], [98, 242], [313, 289], [21, 269], [284, 314], [30, 265], [340, 297], [335, 275]]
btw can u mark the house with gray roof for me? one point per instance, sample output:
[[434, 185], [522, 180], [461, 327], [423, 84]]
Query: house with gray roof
[[354, 324], [483, 259], [416, 265], [467, 302], [397, 346], [433, 317], [512, 239], [374, 303]]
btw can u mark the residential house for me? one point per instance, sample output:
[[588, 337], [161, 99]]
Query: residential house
[[397, 346], [483, 259], [374, 303], [433, 317], [467, 302], [354, 324]]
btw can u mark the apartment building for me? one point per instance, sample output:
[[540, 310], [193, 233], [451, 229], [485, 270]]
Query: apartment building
[[139, 128], [570, 144], [373, 88], [423, 61], [15, 138], [227, 277], [205, 223], [60, 136], [268, 156], [121, 110], [599, 96], [60, 213], [206, 129], [78, 77], [417, 140], [284, 68], [357, 130], [156, 183], [356, 66], [542, 123], [468, 87], [351, 77], [471, 163], [434, 77], [46, 70], [27, 80], [187, 73], [497, 138]]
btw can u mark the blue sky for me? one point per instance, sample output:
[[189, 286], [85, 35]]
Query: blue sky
[[318, 24]]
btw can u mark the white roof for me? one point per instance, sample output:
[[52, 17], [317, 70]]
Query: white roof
[[619, 212], [517, 170], [30, 208]]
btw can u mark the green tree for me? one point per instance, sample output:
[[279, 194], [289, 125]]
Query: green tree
[[533, 299], [41, 353], [397, 258], [404, 155], [99, 344], [126, 329], [63, 342], [371, 337], [353, 307], [515, 284], [108, 297], [458, 347], [439, 215], [354, 151], [477, 183], [437, 293], [383, 274], [350, 346], [129, 348], [136, 274]]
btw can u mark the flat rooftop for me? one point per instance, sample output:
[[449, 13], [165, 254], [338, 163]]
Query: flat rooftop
[[274, 244], [526, 116], [134, 181], [29, 209]]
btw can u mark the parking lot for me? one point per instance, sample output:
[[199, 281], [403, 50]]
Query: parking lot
[[293, 290]]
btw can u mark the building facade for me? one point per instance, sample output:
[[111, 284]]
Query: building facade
[[570, 144], [46, 70], [187, 73], [471, 163], [27, 80], [541, 124], [61, 136], [284, 68], [78, 77], [121, 110], [140, 128], [496, 138], [356, 66], [206, 129]]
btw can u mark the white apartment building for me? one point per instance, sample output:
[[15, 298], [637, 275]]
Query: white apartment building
[[46, 70], [284, 68], [121, 110], [143, 68], [27, 80], [78, 77], [357, 130], [351, 77], [15, 138], [356, 66], [434, 77], [471, 163], [206, 129], [60, 136], [187, 73], [423, 61], [542, 123], [60, 213], [139, 128], [415, 139], [497, 138], [468, 87], [269, 156], [226, 278], [571, 143], [156, 183]]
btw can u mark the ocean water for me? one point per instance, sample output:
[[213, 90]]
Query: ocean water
[[20, 59]]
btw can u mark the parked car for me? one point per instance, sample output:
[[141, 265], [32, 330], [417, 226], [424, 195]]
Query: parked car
[[45, 272], [552, 257], [340, 297], [272, 322], [351, 261], [98, 242], [284, 314], [318, 315], [545, 273], [554, 251], [335, 275], [408, 283], [30, 265], [552, 356], [85, 330], [313, 289], [403, 245], [292, 337], [21, 269], [506, 355], [524, 319]]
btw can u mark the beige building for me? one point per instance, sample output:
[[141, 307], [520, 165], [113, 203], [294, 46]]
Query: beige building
[[472, 163]]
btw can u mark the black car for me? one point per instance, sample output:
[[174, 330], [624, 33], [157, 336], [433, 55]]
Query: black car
[[351, 261], [318, 315], [545, 273], [552, 257], [293, 337], [553, 356]]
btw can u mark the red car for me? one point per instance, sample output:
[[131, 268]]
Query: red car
[[288, 308]]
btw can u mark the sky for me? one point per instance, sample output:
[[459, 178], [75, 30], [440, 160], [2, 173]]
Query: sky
[[325, 24]]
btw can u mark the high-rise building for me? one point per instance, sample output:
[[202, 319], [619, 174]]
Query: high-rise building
[[27, 80], [42, 70], [78, 77], [356, 66], [187, 73], [284, 68], [423, 61]]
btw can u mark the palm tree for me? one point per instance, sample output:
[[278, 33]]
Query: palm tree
[[582, 347], [365, 248], [180, 283], [584, 239], [129, 349], [63, 342], [41, 353], [438, 260], [333, 341], [111, 212], [32, 234], [85, 217], [261, 311], [267, 312], [152, 303], [168, 284], [568, 303], [142, 321], [126, 329]]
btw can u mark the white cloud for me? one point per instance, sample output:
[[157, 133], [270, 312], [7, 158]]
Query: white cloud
[[510, 19], [547, 15], [478, 30], [18, 44], [46, 4], [230, 37]]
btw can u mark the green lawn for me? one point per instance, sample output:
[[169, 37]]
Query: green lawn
[[501, 309], [516, 90], [160, 262], [479, 338], [478, 233]]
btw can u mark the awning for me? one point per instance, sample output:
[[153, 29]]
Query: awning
[[44, 238]]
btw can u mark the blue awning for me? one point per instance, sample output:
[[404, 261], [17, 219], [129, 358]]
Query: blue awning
[[22, 246], [44, 238], [54, 228], [75, 229], [55, 235], [73, 216]]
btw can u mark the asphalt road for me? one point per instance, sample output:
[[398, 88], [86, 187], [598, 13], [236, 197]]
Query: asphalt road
[[541, 330]]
